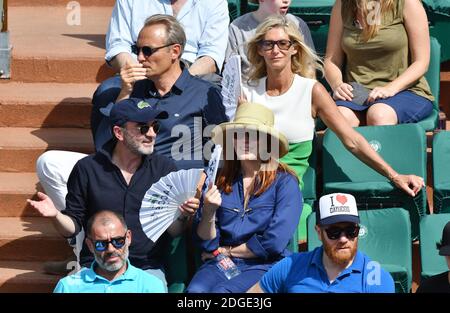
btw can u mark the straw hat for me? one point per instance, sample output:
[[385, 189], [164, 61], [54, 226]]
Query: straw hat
[[252, 116]]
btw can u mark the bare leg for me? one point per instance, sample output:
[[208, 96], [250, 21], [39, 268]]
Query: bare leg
[[381, 114]]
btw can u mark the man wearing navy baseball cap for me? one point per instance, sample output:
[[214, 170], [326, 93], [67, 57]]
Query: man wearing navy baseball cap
[[337, 265], [116, 179], [439, 283]]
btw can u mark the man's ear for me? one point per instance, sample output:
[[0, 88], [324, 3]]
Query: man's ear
[[129, 237], [319, 232], [90, 245], [176, 52], [117, 132]]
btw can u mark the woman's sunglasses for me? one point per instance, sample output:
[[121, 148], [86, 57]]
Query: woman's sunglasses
[[268, 45], [102, 245], [350, 232], [144, 128]]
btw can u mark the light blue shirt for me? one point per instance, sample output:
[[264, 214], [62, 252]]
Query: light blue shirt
[[205, 23], [134, 280], [305, 273]]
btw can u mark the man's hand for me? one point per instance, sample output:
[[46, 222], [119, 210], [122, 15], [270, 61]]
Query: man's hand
[[411, 184], [44, 206], [130, 74]]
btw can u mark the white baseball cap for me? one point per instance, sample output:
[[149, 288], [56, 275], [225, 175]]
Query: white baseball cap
[[336, 208]]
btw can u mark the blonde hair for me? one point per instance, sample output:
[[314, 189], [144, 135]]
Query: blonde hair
[[370, 30], [304, 63]]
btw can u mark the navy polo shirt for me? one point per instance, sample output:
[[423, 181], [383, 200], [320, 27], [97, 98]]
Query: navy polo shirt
[[305, 273], [96, 184], [192, 104]]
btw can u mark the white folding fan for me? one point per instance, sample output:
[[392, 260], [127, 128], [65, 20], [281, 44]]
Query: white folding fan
[[213, 165], [231, 85], [159, 208]]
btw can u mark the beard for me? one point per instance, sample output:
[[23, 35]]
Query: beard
[[134, 146], [112, 267], [338, 256]]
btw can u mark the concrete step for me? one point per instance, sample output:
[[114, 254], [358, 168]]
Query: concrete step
[[15, 189], [25, 277], [31, 239], [48, 49], [83, 3], [20, 147], [45, 104]]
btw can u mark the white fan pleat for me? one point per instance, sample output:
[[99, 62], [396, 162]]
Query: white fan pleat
[[159, 207]]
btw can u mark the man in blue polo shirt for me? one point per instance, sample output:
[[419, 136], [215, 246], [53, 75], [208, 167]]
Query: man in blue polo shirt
[[337, 266], [108, 238]]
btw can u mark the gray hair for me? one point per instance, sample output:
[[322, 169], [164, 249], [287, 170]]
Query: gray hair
[[175, 32]]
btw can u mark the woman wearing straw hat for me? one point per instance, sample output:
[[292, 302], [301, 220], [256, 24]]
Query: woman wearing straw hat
[[282, 79], [253, 210]]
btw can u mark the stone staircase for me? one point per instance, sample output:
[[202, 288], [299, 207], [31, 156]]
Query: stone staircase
[[46, 105]]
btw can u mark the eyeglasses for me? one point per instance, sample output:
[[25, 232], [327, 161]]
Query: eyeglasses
[[283, 44], [350, 232], [144, 128], [102, 245], [146, 50]]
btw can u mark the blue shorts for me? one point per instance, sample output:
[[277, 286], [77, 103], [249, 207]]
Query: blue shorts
[[409, 107]]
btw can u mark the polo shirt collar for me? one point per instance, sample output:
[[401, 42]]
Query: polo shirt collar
[[180, 84], [130, 274]]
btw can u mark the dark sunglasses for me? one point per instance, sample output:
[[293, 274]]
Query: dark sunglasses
[[146, 50], [350, 232], [283, 44], [144, 128], [102, 245]]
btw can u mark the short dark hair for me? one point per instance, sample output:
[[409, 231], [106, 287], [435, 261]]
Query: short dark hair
[[105, 221]]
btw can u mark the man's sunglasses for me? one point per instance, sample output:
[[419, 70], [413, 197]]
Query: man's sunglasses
[[146, 50], [102, 245], [350, 232], [283, 44], [144, 128]]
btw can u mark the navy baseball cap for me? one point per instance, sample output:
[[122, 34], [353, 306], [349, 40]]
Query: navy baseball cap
[[444, 245], [134, 110], [336, 208]]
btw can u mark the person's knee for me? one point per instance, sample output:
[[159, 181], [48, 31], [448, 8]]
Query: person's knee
[[106, 92], [350, 116], [197, 287], [381, 114], [45, 165]]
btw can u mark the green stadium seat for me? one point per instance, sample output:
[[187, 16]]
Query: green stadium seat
[[385, 237], [234, 9], [176, 266], [433, 77], [402, 146], [431, 227], [441, 171], [438, 12]]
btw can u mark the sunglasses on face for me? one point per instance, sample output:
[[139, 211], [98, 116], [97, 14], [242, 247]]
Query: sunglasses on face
[[146, 50], [268, 45], [350, 232], [102, 245], [144, 128]]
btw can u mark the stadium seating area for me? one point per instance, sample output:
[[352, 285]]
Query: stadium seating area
[[46, 105]]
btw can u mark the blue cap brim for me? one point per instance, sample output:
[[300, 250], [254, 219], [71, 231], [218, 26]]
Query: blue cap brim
[[339, 219]]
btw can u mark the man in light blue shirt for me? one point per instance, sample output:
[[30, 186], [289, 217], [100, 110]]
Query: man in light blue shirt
[[108, 239], [336, 266], [205, 23]]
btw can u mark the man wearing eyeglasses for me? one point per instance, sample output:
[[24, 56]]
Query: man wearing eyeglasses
[[109, 238], [337, 266], [116, 178]]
